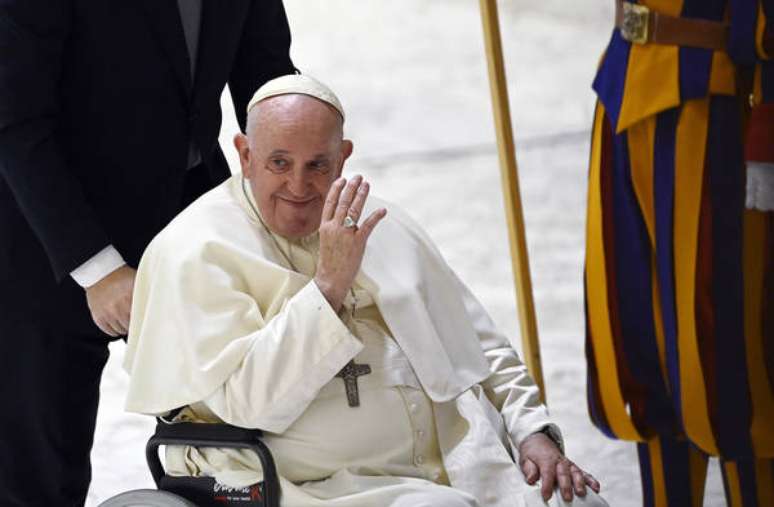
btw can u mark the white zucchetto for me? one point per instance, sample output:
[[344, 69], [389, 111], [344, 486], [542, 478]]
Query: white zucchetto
[[296, 84]]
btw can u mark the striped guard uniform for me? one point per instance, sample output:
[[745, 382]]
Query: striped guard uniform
[[678, 277]]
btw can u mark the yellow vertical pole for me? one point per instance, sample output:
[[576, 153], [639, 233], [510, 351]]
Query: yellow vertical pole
[[512, 196]]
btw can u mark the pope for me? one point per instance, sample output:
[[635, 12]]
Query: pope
[[290, 300]]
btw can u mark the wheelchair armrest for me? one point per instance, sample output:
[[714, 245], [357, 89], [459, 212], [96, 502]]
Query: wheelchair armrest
[[206, 431], [213, 435]]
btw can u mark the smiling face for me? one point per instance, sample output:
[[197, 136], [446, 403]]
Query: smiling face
[[292, 153]]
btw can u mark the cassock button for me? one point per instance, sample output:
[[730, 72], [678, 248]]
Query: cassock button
[[419, 460], [420, 433], [413, 407]]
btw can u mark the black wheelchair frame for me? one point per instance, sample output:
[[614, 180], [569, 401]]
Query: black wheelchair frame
[[204, 491]]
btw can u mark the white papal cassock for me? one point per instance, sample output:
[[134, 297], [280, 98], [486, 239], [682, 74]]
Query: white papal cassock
[[223, 326]]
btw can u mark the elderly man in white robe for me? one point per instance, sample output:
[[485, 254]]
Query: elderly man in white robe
[[290, 301]]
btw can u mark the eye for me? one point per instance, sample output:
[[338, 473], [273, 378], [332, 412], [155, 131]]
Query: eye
[[278, 164], [320, 166]]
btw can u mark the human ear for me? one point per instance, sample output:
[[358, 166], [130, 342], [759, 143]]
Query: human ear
[[243, 148], [346, 151]]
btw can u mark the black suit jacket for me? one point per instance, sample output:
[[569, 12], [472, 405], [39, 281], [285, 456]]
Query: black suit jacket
[[97, 110]]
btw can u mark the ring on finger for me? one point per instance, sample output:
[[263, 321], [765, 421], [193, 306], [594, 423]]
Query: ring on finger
[[349, 222]]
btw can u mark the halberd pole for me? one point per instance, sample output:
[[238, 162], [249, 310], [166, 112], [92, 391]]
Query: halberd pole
[[512, 196]]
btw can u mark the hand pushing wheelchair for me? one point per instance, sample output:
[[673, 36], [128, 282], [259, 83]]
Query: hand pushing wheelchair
[[202, 491]]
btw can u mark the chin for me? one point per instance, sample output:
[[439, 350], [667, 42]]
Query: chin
[[297, 223], [299, 228]]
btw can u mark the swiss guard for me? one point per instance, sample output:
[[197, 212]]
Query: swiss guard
[[680, 246]]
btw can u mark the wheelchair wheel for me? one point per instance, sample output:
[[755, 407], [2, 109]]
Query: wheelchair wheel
[[147, 498]]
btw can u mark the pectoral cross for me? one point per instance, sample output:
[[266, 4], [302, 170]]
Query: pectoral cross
[[349, 374]]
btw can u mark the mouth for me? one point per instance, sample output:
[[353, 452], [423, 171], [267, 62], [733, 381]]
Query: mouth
[[296, 202]]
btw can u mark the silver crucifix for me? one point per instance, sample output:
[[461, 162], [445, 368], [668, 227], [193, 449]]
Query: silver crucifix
[[349, 374]]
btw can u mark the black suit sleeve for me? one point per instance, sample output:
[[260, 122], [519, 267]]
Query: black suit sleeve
[[33, 34], [264, 53]]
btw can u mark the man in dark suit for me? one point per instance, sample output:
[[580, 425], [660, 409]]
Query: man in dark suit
[[109, 118]]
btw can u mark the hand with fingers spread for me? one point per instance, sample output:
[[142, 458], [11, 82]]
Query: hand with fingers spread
[[110, 301], [342, 245], [540, 458]]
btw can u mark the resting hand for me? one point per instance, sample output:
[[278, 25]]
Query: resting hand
[[342, 248], [110, 301], [539, 458]]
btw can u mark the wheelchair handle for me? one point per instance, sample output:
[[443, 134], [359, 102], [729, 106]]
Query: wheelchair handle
[[213, 435]]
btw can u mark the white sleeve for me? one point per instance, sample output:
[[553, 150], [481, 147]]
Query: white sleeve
[[509, 386], [290, 360], [98, 267], [760, 186]]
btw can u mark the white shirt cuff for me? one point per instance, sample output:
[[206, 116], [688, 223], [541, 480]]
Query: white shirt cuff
[[98, 267], [760, 186]]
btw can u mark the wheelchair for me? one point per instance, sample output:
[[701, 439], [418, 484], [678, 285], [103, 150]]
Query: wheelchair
[[202, 491]]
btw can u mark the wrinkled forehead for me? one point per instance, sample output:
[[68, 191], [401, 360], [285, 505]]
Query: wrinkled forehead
[[293, 105], [294, 119]]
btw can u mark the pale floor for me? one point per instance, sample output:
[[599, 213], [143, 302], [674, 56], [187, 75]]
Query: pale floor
[[412, 77]]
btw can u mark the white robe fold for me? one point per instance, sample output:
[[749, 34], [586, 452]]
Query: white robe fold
[[219, 316]]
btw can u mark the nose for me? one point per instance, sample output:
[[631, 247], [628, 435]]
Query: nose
[[297, 182]]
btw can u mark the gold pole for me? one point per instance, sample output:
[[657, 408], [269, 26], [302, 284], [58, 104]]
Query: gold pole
[[511, 195]]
